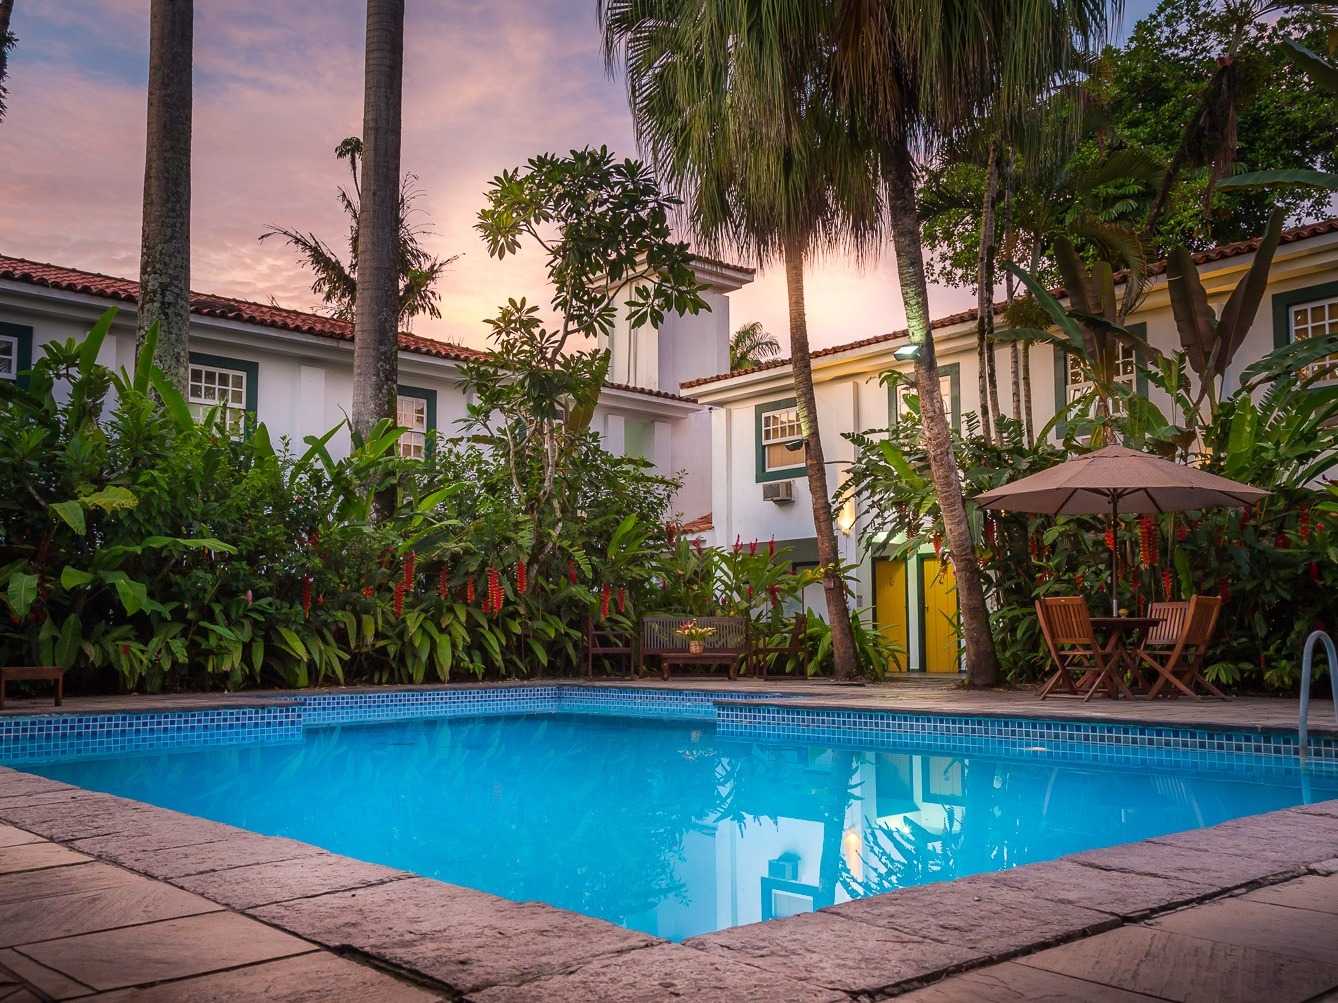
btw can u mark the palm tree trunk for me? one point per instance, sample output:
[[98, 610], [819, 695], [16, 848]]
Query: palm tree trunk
[[833, 584], [164, 254], [1034, 264], [982, 665], [988, 383], [376, 310], [6, 12]]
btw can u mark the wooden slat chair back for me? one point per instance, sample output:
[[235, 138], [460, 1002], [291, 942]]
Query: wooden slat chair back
[[1066, 627], [604, 641], [1180, 670], [1172, 621]]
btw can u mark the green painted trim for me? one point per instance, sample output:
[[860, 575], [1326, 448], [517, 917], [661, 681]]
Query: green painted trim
[[1061, 376], [920, 559], [763, 474], [23, 357], [430, 398], [1283, 303], [953, 371], [252, 371]]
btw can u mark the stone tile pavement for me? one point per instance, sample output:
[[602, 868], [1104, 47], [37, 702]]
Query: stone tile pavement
[[106, 898]]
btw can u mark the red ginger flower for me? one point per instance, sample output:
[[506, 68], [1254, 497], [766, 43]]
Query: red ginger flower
[[1303, 524], [774, 592], [1147, 541], [938, 545], [1110, 538], [771, 547], [622, 599], [522, 579], [410, 564], [1166, 584], [443, 587], [752, 549], [494, 589], [571, 572], [1314, 572], [605, 595], [469, 590], [368, 592], [398, 604]]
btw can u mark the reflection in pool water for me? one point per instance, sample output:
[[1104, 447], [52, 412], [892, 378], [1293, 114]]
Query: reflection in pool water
[[666, 826]]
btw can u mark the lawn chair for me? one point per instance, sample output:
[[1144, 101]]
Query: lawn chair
[[1074, 650], [1181, 667], [606, 642], [763, 654]]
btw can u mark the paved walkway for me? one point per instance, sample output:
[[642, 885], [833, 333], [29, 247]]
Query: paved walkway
[[929, 695]]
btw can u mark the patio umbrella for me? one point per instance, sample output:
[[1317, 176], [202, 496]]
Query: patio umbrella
[[1114, 480]]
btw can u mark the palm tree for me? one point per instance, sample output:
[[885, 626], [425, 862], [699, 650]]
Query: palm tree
[[752, 345], [779, 186], [164, 256], [377, 308], [920, 72], [7, 40], [336, 282]]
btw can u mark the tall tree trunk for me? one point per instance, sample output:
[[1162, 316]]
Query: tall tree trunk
[[1028, 427], [376, 311], [164, 253], [833, 584], [982, 664], [6, 12], [988, 381], [1010, 287]]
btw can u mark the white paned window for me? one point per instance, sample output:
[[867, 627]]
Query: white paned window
[[213, 386], [908, 388], [1126, 374], [9, 358], [778, 428], [1313, 320], [411, 415]]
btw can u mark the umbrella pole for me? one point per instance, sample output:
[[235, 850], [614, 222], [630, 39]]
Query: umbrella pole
[[1114, 555]]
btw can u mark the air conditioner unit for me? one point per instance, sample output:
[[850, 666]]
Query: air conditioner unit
[[780, 492]]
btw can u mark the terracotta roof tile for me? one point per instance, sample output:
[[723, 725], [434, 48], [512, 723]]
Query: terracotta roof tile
[[1218, 253], [245, 311], [701, 524], [221, 307]]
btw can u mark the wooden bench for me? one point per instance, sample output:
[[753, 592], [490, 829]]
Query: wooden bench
[[17, 672], [730, 645]]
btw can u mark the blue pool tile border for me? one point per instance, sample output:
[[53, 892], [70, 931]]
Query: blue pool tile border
[[743, 715], [1043, 737]]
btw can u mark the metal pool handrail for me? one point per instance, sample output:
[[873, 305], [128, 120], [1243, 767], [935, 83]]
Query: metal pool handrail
[[1308, 656]]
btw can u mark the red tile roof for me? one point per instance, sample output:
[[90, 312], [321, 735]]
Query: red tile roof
[[701, 524], [73, 280], [221, 307], [1218, 253]]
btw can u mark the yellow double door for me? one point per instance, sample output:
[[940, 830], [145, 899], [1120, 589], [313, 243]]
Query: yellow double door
[[934, 645]]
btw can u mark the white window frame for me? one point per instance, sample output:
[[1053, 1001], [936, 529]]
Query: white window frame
[[9, 368], [1329, 325], [199, 403], [783, 429], [1128, 376], [413, 442]]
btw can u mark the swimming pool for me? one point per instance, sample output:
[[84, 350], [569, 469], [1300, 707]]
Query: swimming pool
[[653, 814]]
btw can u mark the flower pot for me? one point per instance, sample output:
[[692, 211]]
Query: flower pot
[[696, 647]]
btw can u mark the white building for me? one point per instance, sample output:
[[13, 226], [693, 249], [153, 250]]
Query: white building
[[671, 398], [294, 370], [914, 602]]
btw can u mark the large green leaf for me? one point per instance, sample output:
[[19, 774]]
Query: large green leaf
[[1077, 281], [73, 578], [68, 641], [144, 360], [1314, 65], [173, 402], [21, 593], [292, 643], [112, 498], [1194, 318], [134, 595], [1292, 177], [1242, 437], [92, 344], [1243, 304], [1058, 315], [72, 513]]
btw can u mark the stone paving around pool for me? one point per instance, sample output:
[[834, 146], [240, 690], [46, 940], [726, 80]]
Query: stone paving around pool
[[109, 898]]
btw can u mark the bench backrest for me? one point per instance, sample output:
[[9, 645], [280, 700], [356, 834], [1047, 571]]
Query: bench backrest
[[660, 633]]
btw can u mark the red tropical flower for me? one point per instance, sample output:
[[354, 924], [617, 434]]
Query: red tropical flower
[[522, 580], [571, 572], [410, 563], [605, 594], [1147, 541], [1166, 584], [938, 545], [622, 599], [443, 587], [469, 590], [1110, 537], [398, 604]]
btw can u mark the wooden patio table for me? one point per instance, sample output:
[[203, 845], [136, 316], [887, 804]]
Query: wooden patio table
[[1120, 633], [726, 657]]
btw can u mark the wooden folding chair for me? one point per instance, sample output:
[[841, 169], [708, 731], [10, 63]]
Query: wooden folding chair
[[1163, 637], [761, 654], [1074, 650], [605, 642], [1181, 667]]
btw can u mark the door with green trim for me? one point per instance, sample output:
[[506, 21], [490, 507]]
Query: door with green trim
[[940, 625]]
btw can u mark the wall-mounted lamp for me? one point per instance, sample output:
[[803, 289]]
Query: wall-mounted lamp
[[794, 445], [906, 352]]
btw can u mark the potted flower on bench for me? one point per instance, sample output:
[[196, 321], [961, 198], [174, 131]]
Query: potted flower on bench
[[696, 634]]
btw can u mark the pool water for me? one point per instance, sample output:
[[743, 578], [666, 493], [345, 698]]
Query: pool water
[[667, 827]]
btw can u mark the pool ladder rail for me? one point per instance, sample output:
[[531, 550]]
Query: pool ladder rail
[[1307, 657]]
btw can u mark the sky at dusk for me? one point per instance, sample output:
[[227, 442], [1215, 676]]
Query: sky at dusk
[[278, 83]]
